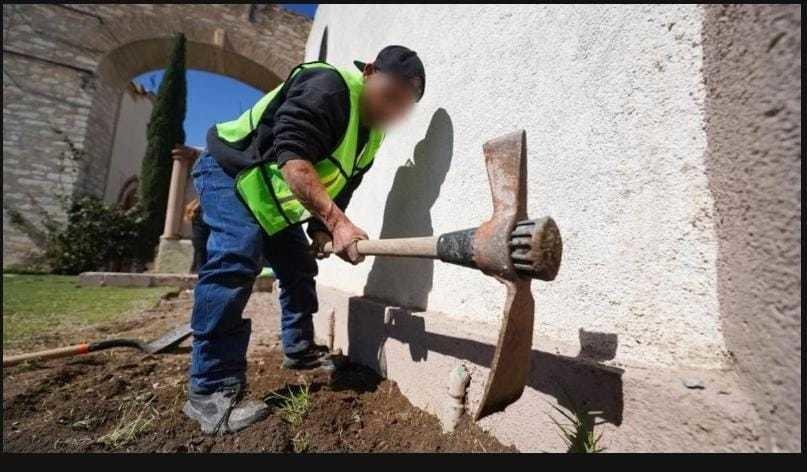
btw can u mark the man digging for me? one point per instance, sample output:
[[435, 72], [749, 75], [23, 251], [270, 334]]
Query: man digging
[[294, 157]]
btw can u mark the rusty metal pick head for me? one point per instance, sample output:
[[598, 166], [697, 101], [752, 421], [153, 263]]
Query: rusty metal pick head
[[511, 361], [506, 162], [536, 248]]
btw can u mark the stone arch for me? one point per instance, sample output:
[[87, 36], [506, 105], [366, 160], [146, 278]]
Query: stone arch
[[68, 66], [144, 44], [141, 46], [116, 69]]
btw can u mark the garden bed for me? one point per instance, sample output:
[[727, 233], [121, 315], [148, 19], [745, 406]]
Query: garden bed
[[122, 401]]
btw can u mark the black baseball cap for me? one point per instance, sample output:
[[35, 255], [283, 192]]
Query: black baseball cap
[[403, 62]]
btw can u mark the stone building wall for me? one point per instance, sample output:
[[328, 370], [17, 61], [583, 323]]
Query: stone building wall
[[65, 68]]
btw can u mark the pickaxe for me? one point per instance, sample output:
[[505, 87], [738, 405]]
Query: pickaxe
[[510, 248]]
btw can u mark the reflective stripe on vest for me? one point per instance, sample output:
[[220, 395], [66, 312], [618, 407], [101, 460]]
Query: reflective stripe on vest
[[262, 186]]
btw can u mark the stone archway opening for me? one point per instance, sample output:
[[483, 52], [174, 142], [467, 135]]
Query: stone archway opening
[[91, 53], [128, 61], [146, 47], [117, 69], [237, 77]]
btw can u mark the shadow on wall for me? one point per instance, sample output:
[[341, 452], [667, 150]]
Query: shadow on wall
[[408, 282], [575, 382], [407, 213]]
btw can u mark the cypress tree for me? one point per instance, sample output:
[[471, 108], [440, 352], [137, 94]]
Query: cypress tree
[[164, 131]]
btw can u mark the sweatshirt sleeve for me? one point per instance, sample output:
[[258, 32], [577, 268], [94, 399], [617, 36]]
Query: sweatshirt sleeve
[[311, 121]]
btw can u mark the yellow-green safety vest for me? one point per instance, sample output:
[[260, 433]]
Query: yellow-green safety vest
[[262, 187]]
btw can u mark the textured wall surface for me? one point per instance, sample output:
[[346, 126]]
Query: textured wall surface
[[752, 68], [611, 99], [129, 145], [65, 68], [645, 129]]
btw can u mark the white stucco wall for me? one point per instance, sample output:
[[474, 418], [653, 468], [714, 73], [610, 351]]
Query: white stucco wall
[[612, 99], [129, 145]]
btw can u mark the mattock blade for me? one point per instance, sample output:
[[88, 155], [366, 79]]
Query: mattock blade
[[511, 361], [506, 163]]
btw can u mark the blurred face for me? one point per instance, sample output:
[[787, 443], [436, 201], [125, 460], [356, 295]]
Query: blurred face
[[386, 99]]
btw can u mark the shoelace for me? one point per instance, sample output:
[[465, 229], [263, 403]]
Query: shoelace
[[225, 418]]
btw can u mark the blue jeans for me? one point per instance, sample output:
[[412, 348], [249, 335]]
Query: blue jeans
[[236, 249]]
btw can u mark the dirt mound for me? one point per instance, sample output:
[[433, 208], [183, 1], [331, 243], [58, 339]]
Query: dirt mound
[[123, 401]]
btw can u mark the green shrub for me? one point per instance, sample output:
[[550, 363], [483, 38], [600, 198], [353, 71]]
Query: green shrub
[[94, 237]]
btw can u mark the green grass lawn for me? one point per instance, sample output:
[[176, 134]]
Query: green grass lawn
[[35, 304]]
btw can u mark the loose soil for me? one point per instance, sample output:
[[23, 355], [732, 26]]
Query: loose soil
[[124, 401]]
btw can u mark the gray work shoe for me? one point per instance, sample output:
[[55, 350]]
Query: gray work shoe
[[314, 358], [223, 411]]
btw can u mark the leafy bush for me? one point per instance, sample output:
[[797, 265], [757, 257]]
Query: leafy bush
[[96, 237]]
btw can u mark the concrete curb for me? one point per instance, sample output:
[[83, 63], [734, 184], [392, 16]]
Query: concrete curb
[[691, 409]]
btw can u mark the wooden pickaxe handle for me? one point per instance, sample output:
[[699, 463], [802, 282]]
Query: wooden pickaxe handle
[[425, 247], [534, 248]]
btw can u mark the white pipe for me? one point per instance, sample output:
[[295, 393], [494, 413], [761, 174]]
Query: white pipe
[[331, 329], [458, 380]]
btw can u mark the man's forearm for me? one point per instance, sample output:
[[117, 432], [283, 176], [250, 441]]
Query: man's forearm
[[305, 185], [342, 200]]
